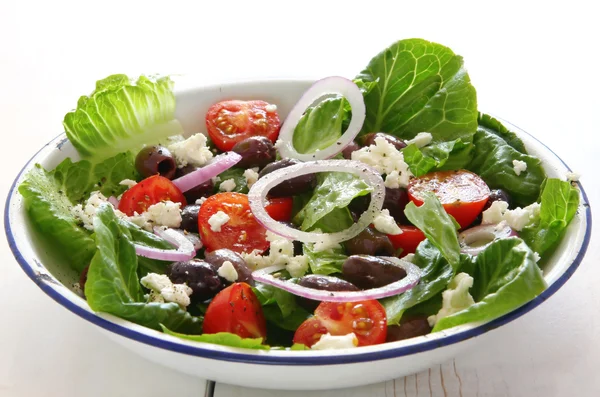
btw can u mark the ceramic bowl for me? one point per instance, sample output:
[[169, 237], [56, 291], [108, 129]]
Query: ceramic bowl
[[274, 369]]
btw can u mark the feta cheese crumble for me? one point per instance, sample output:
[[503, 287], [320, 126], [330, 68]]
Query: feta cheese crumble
[[517, 219], [251, 176], [455, 298], [228, 272], [165, 213], [281, 253], [422, 139], [573, 176], [216, 221], [270, 108], [201, 200], [128, 182], [86, 212], [385, 223], [191, 151], [519, 166], [386, 159], [227, 185], [163, 290], [335, 342]]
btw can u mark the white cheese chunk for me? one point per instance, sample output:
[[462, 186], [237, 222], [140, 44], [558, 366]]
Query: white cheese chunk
[[227, 185], [455, 298], [216, 221], [336, 342], [201, 200], [163, 290], [281, 253], [165, 213], [385, 223], [517, 219], [519, 166], [228, 272], [270, 108], [386, 159], [573, 176], [87, 211], [128, 182], [191, 151], [251, 176], [422, 139]]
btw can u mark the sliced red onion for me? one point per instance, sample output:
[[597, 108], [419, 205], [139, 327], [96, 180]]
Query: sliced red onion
[[218, 164], [184, 252], [476, 239], [191, 237], [328, 85], [413, 275], [113, 200], [258, 193]]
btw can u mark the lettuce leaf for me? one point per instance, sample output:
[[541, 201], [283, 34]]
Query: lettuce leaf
[[505, 277], [324, 262], [493, 162], [421, 86], [280, 307], [50, 195], [437, 225], [558, 205], [451, 155], [221, 338], [113, 284], [121, 115], [490, 124], [334, 191]]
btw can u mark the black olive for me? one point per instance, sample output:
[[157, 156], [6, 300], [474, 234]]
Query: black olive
[[366, 271], [256, 151], [153, 160], [199, 275], [408, 328], [370, 242], [369, 139], [217, 257], [291, 187], [323, 283], [497, 195], [348, 150], [189, 218]]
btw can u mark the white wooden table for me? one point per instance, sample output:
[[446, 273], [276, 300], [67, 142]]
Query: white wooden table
[[537, 66]]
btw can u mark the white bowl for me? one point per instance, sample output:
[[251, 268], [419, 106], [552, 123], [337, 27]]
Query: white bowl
[[274, 369]]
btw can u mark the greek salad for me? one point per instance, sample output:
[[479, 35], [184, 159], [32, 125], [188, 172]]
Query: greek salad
[[381, 208]]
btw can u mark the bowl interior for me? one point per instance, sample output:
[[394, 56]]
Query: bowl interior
[[54, 276]]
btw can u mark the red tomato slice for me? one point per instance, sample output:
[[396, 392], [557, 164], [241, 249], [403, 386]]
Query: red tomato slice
[[151, 190], [408, 240], [236, 310], [367, 319], [241, 233], [280, 208], [462, 193], [229, 122]]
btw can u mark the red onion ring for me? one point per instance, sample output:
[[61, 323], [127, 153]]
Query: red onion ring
[[413, 275], [113, 200], [328, 85], [219, 164], [184, 252], [489, 233], [258, 193]]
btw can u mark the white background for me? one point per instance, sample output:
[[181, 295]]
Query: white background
[[535, 65]]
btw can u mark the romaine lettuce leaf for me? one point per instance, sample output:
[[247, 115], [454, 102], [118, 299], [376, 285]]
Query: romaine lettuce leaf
[[49, 196], [324, 262], [437, 225], [221, 338], [493, 162], [113, 284], [505, 277], [280, 307], [558, 205], [421, 86], [490, 124], [237, 174], [451, 155], [335, 190], [122, 115]]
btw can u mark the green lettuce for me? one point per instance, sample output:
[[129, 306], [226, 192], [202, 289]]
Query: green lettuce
[[113, 284], [505, 277], [221, 338], [493, 162], [421, 86], [490, 124], [237, 174], [451, 155], [334, 191], [280, 307], [50, 195], [558, 205], [324, 262], [122, 115]]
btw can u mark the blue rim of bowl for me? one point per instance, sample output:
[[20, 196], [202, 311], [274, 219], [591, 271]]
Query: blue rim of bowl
[[297, 360]]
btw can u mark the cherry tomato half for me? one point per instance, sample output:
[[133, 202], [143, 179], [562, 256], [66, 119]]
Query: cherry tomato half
[[462, 193], [229, 122], [367, 319], [151, 190], [236, 310], [280, 208], [408, 240]]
